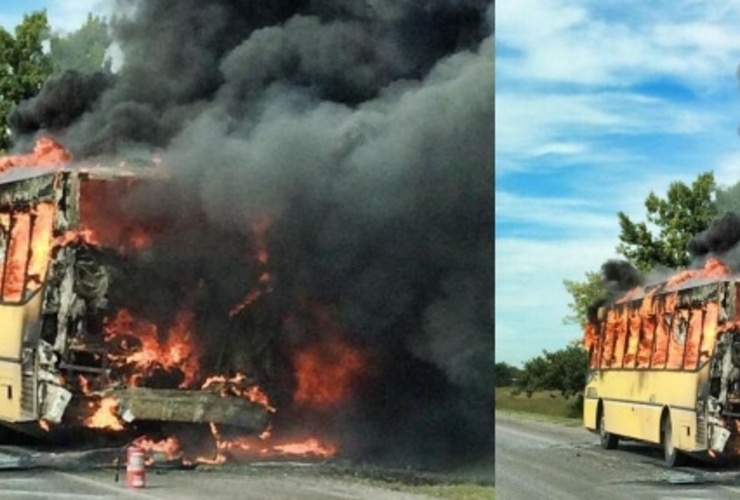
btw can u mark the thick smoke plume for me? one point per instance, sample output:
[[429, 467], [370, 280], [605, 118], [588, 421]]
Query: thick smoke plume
[[719, 239], [620, 276], [364, 132]]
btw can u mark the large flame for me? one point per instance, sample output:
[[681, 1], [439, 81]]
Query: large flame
[[46, 152], [176, 351], [656, 332], [140, 350], [325, 373]]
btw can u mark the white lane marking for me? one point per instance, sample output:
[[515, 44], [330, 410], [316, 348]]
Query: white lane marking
[[120, 489]]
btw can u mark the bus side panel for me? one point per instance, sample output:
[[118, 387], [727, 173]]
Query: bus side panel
[[650, 423], [622, 418], [684, 429], [590, 406], [10, 391], [11, 330]]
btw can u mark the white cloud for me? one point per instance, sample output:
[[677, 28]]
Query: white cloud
[[563, 213], [530, 124], [564, 41]]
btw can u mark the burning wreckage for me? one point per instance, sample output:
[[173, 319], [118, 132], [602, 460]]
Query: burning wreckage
[[72, 355], [664, 364]]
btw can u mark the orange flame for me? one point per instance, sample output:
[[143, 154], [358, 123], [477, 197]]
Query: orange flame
[[656, 332], [325, 373], [246, 447], [105, 416], [170, 446], [238, 386], [46, 152], [259, 227], [176, 351]]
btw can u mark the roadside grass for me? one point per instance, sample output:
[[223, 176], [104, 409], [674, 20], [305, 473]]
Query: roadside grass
[[446, 491], [463, 485], [543, 405]]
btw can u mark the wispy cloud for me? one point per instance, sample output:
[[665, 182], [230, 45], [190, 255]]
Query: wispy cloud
[[566, 41], [565, 213]]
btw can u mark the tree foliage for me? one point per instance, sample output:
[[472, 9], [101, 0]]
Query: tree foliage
[[82, 50], [584, 294], [24, 67], [563, 370], [684, 212], [505, 374]]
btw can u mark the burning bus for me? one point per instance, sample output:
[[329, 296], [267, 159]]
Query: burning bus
[[72, 353], [664, 366]]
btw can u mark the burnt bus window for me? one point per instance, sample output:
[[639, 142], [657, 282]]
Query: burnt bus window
[[662, 332], [693, 342], [16, 257], [678, 337], [633, 339], [41, 242], [645, 348], [607, 347], [621, 341], [26, 245]]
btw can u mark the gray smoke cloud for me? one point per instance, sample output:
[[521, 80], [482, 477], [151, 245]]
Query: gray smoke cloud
[[365, 131]]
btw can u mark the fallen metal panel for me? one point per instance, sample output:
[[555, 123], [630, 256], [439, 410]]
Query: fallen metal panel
[[173, 405], [27, 191]]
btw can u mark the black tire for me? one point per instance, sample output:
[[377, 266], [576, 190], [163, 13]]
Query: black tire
[[671, 456], [608, 440]]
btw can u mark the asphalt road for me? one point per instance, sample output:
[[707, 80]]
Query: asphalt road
[[93, 485], [282, 482], [550, 461]]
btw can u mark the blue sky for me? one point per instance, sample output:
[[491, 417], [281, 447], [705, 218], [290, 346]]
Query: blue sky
[[64, 15], [597, 104]]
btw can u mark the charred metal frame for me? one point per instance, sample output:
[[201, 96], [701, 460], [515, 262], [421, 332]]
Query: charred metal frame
[[48, 350]]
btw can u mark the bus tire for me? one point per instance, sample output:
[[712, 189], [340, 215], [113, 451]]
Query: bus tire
[[608, 440], [671, 456]]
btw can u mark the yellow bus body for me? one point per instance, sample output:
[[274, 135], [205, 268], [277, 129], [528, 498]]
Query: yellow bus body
[[634, 402]]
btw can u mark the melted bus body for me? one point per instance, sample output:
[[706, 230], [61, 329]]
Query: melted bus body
[[664, 368], [54, 298]]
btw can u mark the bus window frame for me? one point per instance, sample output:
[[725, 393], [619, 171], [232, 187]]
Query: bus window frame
[[12, 220]]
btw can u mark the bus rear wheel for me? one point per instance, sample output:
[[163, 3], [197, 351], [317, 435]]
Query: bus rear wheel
[[671, 456], [609, 441]]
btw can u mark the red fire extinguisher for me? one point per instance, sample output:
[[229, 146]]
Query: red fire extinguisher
[[135, 467]]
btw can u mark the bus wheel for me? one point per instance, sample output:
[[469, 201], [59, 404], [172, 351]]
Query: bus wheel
[[672, 457], [609, 441]]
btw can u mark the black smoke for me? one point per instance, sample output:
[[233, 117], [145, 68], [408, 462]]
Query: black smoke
[[364, 131], [721, 236], [620, 276]]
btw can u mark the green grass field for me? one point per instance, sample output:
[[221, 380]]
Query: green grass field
[[547, 404]]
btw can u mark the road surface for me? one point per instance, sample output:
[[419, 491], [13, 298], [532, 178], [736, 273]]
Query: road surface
[[28, 475], [550, 461]]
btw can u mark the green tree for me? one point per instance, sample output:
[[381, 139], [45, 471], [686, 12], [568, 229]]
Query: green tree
[[584, 294], [82, 50], [563, 370], [24, 67], [504, 374], [684, 212]]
